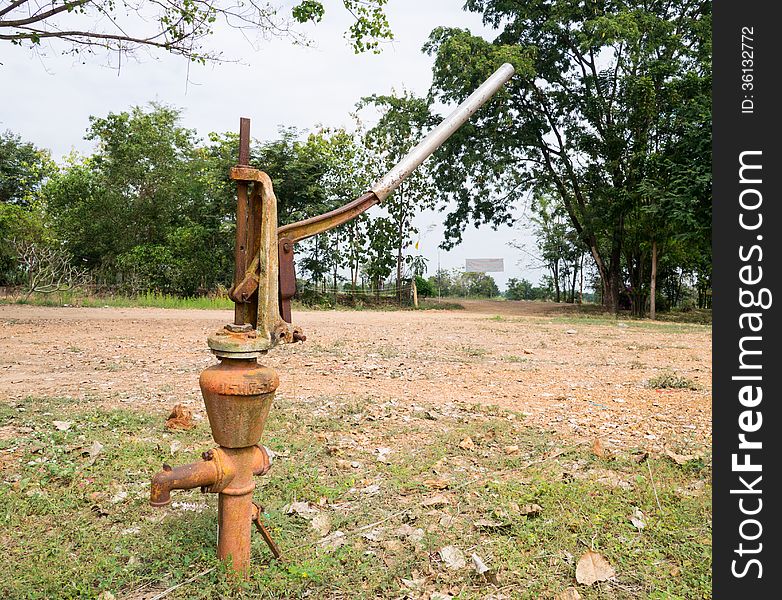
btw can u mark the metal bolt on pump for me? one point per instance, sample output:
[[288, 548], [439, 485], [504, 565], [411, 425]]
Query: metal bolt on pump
[[238, 391]]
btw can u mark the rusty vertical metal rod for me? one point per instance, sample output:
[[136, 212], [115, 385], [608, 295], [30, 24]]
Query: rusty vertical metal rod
[[243, 248], [234, 530]]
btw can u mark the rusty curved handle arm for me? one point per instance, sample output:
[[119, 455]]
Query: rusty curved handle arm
[[314, 225]]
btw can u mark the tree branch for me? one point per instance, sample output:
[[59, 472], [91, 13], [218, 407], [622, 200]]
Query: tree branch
[[35, 18]]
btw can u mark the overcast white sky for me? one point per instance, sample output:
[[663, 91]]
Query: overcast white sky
[[48, 99]]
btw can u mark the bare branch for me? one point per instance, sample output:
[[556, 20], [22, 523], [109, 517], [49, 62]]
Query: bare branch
[[36, 17]]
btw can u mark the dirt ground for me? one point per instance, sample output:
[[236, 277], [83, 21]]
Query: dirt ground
[[578, 377]]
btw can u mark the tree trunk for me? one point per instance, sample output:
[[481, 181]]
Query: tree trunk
[[653, 283], [573, 283], [581, 281], [336, 298]]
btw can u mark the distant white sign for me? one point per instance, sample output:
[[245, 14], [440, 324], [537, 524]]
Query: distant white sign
[[484, 265]]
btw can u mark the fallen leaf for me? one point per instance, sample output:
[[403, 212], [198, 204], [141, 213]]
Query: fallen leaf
[[180, 418], [640, 457], [410, 533], [478, 564], [592, 567], [569, 594], [467, 444], [531, 510], [490, 575], [321, 523], [333, 541], [511, 449], [488, 524], [597, 448], [174, 447], [638, 519], [440, 596], [413, 584], [94, 451], [62, 425], [447, 520], [453, 558], [383, 454], [376, 535], [437, 484], [392, 546], [435, 501], [680, 459], [302, 509], [119, 497]]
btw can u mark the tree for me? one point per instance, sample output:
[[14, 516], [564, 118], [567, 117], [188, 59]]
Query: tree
[[151, 208], [379, 259], [595, 80], [47, 268], [23, 170], [139, 182], [479, 284], [559, 246], [519, 289], [181, 27], [402, 122], [346, 175]]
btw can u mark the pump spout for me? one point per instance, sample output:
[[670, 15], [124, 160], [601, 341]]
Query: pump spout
[[186, 477]]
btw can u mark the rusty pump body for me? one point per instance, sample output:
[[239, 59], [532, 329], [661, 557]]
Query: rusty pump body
[[238, 392]]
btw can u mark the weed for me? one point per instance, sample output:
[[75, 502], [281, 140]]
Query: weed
[[671, 381]]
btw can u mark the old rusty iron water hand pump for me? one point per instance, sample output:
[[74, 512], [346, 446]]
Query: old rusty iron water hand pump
[[238, 391]]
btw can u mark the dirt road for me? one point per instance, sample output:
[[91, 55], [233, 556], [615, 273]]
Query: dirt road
[[582, 378]]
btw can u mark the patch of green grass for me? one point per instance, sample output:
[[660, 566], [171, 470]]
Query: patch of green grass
[[145, 300], [671, 381], [514, 358], [474, 351], [80, 527], [431, 304], [672, 324]]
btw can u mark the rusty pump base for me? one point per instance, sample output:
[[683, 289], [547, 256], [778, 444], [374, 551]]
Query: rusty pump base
[[238, 394]]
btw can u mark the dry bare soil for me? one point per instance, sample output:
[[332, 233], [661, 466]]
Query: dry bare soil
[[583, 378]]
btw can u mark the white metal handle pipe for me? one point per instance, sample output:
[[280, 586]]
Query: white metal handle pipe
[[391, 180]]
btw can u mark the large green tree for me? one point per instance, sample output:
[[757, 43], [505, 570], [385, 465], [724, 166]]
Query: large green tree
[[147, 204], [592, 100]]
